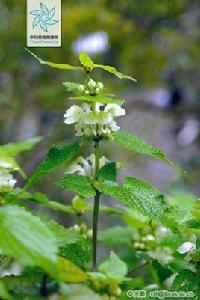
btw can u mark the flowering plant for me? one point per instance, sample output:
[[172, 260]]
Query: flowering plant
[[65, 260]]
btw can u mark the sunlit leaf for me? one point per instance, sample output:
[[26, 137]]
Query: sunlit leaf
[[55, 157], [54, 65], [80, 184]]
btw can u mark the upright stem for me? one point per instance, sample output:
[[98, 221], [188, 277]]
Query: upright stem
[[96, 208]]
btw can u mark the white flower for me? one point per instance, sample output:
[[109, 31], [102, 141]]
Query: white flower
[[86, 166], [73, 114], [91, 84], [188, 247], [6, 179], [100, 85], [93, 119]]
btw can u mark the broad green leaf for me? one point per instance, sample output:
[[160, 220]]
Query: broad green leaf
[[80, 184], [97, 98], [114, 268], [26, 238], [132, 142], [68, 272], [54, 65], [114, 71], [78, 252], [71, 86], [13, 149], [55, 157], [85, 60], [187, 280], [108, 172], [77, 292], [136, 194]]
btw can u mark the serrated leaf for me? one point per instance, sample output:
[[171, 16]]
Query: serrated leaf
[[187, 280], [132, 142], [79, 252], [136, 194], [80, 184], [108, 172], [114, 71], [114, 268], [26, 238], [13, 149], [55, 157], [97, 98], [54, 65], [71, 86], [68, 272], [85, 60]]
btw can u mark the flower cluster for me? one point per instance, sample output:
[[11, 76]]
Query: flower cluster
[[86, 166], [6, 179], [94, 118], [92, 87], [91, 120]]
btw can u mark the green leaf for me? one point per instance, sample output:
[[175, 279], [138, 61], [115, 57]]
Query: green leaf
[[108, 172], [79, 252], [132, 142], [26, 238], [80, 184], [55, 157], [85, 60], [71, 86], [4, 293], [68, 272], [187, 280], [136, 194], [13, 149], [97, 98], [163, 272], [54, 65], [114, 268], [114, 71]]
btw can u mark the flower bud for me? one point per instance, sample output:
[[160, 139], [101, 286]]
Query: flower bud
[[91, 84], [81, 88], [100, 85]]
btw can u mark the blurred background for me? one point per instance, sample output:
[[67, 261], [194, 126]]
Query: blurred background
[[157, 42]]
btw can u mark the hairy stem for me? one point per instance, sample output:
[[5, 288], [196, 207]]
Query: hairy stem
[[96, 208]]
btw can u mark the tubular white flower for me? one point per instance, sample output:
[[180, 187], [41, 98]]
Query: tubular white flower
[[100, 85], [91, 84], [188, 247], [115, 110], [85, 166], [73, 114]]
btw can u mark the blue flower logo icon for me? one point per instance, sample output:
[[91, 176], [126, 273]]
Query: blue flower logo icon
[[43, 17]]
